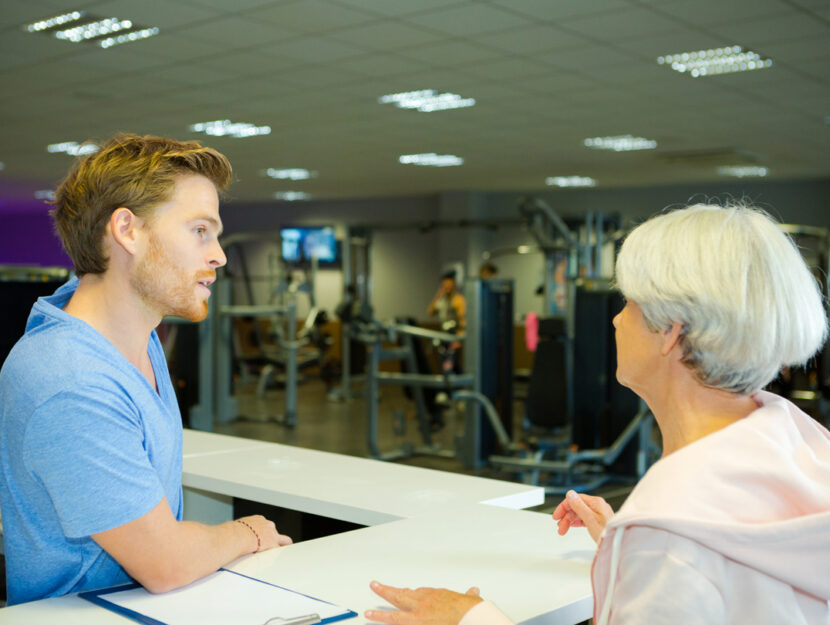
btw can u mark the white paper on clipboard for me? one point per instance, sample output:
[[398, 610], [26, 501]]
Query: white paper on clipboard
[[225, 597]]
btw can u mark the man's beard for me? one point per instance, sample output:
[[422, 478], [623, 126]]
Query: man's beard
[[163, 287]]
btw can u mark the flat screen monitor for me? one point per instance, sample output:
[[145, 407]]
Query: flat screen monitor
[[301, 244]]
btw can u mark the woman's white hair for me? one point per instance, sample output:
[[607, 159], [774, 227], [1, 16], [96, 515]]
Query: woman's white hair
[[739, 286]]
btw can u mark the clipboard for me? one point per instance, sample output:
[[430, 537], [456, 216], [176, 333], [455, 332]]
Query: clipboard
[[246, 597]]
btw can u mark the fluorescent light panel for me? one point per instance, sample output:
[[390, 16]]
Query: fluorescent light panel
[[136, 35], [45, 194], [227, 128], [291, 196], [621, 143], [52, 22], [728, 60], [431, 160], [570, 181], [289, 174], [73, 148], [750, 171], [92, 29], [427, 100]]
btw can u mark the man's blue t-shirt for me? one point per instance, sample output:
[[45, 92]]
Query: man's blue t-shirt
[[86, 445]]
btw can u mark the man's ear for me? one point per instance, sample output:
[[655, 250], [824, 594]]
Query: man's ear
[[125, 226], [671, 337]]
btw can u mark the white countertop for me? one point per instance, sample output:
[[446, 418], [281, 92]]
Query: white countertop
[[358, 490], [515, 557]]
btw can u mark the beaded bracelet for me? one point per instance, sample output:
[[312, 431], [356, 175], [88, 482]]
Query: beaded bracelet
[[258, 543]]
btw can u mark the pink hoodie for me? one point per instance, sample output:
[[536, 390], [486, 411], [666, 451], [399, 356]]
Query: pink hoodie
[[733, 528]]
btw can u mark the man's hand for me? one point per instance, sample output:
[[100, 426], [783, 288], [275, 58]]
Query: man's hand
[[578, 510], [423, 606], [265, 530]]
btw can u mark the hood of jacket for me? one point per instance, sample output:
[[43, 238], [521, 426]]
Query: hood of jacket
[[757, 492]]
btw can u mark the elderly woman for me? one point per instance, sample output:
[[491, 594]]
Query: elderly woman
[[732, 525]]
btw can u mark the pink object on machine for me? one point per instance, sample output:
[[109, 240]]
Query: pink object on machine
[[532, 331]]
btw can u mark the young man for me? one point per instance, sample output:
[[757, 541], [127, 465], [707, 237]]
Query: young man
[[90, 431]]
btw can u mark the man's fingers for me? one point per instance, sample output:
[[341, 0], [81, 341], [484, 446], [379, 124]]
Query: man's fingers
[[284, 540]]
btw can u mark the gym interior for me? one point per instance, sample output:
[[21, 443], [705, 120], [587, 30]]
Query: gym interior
[[381, 147]]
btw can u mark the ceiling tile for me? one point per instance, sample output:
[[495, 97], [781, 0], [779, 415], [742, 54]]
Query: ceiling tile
[[450, 53], [310, 16], [473, 19], [314, 50], [386, 36], [697, 13], [162, 13], [378, 65], [399, 8], [532, 39], [754, 33], [236, 32], [554, 11], [506, 69], [622, 24], [793, 51]]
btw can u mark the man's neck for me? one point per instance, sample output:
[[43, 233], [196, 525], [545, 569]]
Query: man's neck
[[110, 305]]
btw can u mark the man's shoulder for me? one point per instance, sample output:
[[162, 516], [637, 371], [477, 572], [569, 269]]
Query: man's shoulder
[[57, 359]]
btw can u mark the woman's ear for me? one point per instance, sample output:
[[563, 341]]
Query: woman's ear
[[671, 337], [124, 228]]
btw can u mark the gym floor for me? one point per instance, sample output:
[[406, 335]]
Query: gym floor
[[341, 427]]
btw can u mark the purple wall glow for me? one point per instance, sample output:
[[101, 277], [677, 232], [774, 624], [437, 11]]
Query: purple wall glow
[[27, 237]]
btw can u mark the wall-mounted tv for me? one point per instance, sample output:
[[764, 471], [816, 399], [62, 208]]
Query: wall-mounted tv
[[301, 244]]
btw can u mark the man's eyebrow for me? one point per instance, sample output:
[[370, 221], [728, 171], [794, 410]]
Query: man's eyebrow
[[211, 220]]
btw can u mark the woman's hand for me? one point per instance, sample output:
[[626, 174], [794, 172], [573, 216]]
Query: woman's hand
[[578, 510], [422, 606]]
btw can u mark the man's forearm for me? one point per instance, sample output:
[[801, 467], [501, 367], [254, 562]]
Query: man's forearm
[[162, 553], [197, 550]]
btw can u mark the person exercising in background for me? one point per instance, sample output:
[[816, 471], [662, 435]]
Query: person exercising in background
[[449, 305], [451, 309], [90, 430], [487, 270]]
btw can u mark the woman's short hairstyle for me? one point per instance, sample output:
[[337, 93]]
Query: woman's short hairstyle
[[128, 171], [745, 297]]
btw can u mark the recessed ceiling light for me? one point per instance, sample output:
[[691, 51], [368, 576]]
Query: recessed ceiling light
[[73, 148], [289, 174], [225, 127], [291, 196], [570, 181], [45, 194], [427, 100], [431, 160], [136, 35], [621, 143], [716, 61], [97, 30], [53, 22], [93, 30], [744, 172]]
